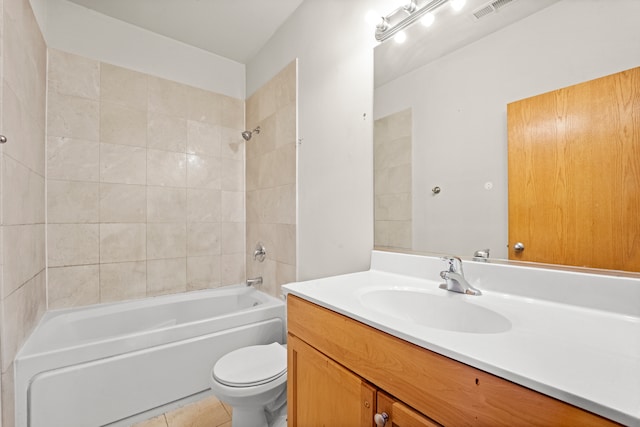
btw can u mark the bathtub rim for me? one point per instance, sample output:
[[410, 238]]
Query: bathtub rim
[[78, 313]]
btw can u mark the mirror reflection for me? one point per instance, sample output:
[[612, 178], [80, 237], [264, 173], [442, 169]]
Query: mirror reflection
[[441, 113]]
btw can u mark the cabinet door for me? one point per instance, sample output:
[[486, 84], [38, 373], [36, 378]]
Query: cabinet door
[[400, 415], [321, 392]]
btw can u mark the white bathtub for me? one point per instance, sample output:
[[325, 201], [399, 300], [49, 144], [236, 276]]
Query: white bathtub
[[108, 364]]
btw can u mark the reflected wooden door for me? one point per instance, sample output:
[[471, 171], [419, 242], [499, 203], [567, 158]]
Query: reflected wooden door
[[574, 174]]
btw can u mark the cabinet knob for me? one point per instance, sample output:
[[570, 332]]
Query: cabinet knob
[[518, 247], [381, 419]]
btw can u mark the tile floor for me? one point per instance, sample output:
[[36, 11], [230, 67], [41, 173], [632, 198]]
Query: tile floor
[[209, 412]]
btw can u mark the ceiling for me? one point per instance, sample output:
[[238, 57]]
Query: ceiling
[[238, 29], [234, 29]]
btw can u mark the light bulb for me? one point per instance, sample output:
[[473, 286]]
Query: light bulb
[[457, 5], [372, 18], [400, 37], [427, 20]]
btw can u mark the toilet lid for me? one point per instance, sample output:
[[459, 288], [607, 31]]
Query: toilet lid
[[253, 365]]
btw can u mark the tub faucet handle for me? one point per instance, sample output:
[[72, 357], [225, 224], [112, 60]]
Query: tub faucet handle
[[260, 252]]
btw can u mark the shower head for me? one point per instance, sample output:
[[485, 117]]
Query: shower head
[[248, 133]]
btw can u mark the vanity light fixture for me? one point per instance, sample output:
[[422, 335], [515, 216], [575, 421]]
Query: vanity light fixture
[[412, 11], [428, 19], [410, 7], [457, 5], [400, 37], [383, 25], [372, 18]]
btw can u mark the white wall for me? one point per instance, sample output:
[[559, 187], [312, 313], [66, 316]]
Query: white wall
[[459, 109], [76, 29], [334, 47], [39, 8]]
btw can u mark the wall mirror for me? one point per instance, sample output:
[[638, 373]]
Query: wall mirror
[[440, 110]]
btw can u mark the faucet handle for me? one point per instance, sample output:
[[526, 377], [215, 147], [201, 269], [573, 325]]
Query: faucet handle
[[481, 255], [455, 263]]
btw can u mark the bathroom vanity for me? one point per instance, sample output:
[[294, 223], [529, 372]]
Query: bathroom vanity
[[363, 350]]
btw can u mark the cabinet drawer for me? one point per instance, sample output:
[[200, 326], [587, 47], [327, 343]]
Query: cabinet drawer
[[400, 415], [447, 391]]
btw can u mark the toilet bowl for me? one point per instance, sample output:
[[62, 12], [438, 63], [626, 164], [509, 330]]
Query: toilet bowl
[[253, 381]]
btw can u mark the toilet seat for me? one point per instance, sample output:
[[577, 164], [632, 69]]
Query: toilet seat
[[251, 366]]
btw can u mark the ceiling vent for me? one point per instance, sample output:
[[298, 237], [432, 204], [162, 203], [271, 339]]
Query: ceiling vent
[[490, 8]]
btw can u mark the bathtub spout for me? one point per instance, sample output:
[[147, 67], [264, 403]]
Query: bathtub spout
[[255, 282]]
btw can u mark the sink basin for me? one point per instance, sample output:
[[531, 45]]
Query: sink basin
[[448, 312]]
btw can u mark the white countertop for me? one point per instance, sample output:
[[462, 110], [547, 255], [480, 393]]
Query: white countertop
[[581, 355]]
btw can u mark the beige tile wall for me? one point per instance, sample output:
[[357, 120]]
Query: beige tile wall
[[145, 185], [22, 188], [271, 180], [392, 174]]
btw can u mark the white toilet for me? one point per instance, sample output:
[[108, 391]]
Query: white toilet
[[253, 380]]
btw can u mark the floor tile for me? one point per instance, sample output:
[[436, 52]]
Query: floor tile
[[158, 421], [208, 412]]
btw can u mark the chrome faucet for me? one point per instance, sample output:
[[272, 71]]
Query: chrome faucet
[[454, 278], [481, 255], [255, 282]]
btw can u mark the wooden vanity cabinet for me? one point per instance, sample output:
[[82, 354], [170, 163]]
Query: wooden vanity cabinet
[[327, 394], [341, 372]]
